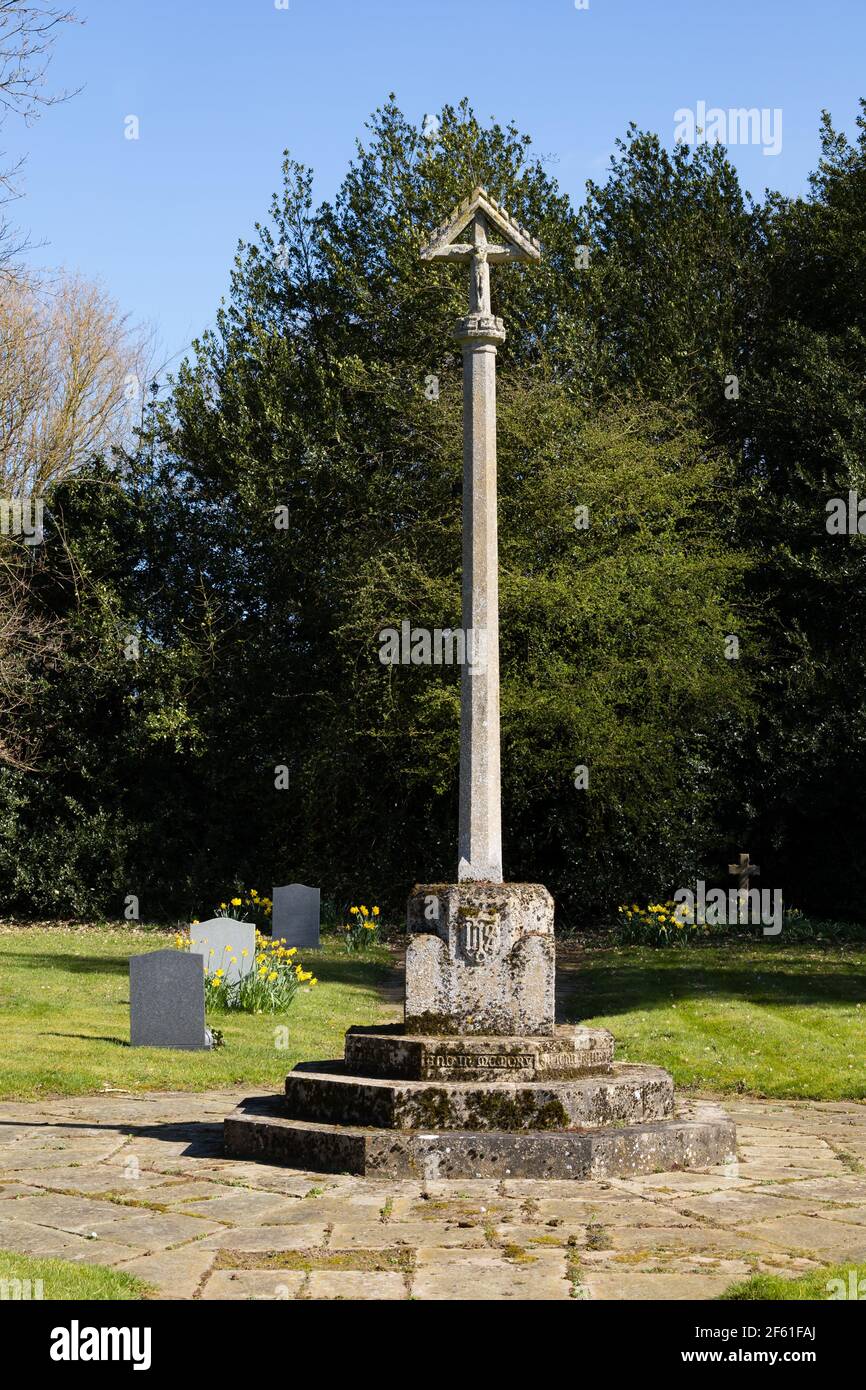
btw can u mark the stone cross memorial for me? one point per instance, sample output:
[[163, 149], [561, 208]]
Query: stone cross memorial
[[166, 1001], [479, 1081], [482, 952], [297, 915]]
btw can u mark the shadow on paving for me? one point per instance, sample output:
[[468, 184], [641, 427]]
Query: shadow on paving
[[204, 1138]]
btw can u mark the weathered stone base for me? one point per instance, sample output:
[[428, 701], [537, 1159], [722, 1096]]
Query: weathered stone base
[[481, 959], [698, 1136], [330, 1094], [387, 1050]]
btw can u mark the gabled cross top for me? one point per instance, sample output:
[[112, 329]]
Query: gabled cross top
[[478, 214]]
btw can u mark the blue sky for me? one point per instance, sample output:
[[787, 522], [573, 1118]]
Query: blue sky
[[221, 87]]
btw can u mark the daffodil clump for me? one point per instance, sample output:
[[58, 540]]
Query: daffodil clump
[[247, 907], [658, 924], [268, 988], [363, 930]]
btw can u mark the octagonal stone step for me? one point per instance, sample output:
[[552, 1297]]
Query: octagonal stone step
[[628, 1095], [700, 1135], [388, 1051]]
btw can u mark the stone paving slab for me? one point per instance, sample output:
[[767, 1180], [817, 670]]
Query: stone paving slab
[[240, 1205], [625, 1211], [608, 1287], [369, 1235], [458, 1275], [352, 1284], [276, 1284], [28, 1239], [127, 1225], [741, 1208], [794, 1199], [263, 1238], [176, 1274]]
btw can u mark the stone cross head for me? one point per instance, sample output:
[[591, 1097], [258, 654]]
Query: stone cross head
[[475, 216]]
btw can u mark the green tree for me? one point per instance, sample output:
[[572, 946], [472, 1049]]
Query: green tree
[[803, 421], [314, 402]]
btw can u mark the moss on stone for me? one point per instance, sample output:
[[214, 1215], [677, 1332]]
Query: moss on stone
[[517, 1255], [398, 1258], [495, 1110]]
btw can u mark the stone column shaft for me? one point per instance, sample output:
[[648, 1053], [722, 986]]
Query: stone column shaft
[[480, 825]]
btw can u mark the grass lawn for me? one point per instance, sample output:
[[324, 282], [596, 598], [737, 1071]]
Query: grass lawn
[[63, 1279], [64, 1017], [764, 1288], [760, 1017]]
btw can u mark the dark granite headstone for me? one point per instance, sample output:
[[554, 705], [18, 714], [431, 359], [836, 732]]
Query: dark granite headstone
[[166, 1000], [296, 915]]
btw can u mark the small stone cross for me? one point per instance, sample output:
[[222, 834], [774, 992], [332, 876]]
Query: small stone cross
[[743, 871]]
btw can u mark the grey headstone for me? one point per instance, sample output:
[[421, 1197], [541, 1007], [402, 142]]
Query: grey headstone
[[222, 942], [166, 1000], [296, 915]]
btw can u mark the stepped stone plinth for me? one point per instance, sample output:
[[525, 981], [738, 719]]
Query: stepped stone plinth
[[442, 1100], [413, 1106], [393, 1052], [479, 1081], [335, 1096], [698, 1135]]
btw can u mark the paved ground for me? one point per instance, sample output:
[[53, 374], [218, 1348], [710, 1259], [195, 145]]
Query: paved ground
[[139, 1182]]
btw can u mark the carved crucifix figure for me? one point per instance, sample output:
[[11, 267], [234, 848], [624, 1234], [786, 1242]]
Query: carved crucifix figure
[[479, 334], [479, 301]]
